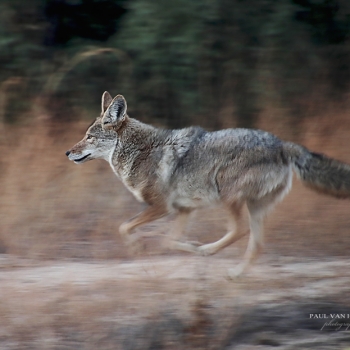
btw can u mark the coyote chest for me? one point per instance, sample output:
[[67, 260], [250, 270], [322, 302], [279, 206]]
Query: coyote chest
[[123, 173], [147, 168]]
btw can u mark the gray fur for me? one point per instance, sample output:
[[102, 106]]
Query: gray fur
[[323, 174], [179, 171]]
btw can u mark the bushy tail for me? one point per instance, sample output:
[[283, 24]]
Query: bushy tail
[[323, 174]]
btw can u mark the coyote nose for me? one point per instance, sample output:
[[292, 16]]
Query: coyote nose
[[67, 153]]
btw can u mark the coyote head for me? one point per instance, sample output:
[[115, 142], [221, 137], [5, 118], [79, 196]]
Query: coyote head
[[97, 142]]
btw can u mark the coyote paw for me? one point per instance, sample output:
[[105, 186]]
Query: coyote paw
[[181, 246], [206, 249], [235, 273], [131, 240], [124, 231], [134, 245], [195, 243]]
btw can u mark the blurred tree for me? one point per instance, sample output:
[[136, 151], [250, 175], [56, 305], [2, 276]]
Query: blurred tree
[[90, 19], [211, 62], [164, 41], [37, 38], [227, 59], [327, 23]]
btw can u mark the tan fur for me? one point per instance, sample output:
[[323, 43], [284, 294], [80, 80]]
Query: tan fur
[[178, 171]]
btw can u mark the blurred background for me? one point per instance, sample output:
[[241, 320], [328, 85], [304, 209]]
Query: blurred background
[[282, 66], [217, 62]]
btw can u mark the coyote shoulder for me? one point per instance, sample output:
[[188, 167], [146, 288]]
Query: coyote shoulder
[[178, 171]]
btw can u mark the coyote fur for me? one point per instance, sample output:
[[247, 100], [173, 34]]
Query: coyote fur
[[178, 171]]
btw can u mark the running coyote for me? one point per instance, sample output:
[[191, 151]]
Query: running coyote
[[178, 171]]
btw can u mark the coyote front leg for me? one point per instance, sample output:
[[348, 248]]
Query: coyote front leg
[[149, 214], [177, 231]]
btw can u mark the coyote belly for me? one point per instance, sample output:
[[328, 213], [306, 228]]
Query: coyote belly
[[178, 171]]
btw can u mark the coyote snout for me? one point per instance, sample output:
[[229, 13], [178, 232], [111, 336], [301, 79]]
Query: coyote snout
[[97, 143], [178, 171]]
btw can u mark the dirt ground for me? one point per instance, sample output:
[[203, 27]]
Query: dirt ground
[[175, 302]]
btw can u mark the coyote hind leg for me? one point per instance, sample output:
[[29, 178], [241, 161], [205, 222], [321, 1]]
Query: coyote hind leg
[[257, 213], [234, 234], [255, 243], [258, 208]]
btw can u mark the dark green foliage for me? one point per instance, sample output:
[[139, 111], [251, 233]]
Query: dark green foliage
[[329, 25], [90, 19], [179, 61], [164, 41]]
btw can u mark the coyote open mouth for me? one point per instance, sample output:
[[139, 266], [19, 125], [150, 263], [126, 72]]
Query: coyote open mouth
[[82, 158]]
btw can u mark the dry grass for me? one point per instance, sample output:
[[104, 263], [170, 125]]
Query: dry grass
[[52, 208], [45, 203]]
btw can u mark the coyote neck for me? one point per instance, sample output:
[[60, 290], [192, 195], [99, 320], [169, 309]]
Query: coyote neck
[[136, 155]]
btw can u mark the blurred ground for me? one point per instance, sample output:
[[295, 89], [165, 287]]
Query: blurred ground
[[67, 281], [173, 302]]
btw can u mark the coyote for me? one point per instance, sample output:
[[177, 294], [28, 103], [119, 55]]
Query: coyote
[[178, 171]]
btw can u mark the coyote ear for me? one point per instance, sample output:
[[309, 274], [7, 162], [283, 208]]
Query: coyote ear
[[115, 113], [106, 101], [117, 109]]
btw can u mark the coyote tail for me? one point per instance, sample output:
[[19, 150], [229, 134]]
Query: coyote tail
[[323, 174]]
